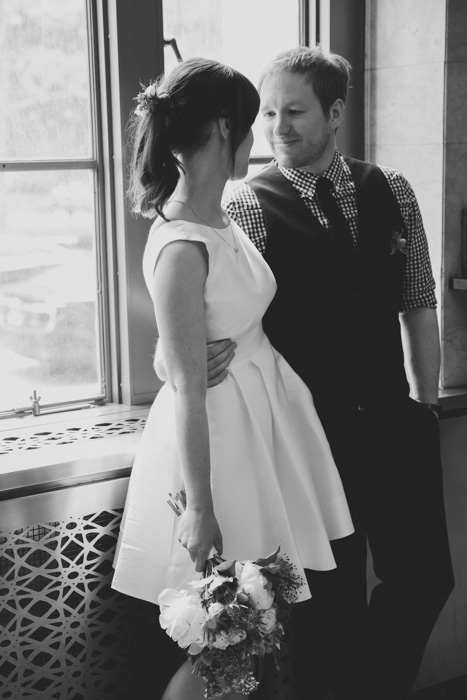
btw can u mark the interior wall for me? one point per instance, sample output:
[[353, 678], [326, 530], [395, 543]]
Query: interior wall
[[454, 322], [405, 102], [416, 82]]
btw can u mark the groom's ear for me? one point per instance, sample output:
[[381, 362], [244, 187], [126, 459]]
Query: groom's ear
[[336, 113]]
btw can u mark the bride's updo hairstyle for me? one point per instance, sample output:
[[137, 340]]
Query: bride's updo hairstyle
[[173, 117]]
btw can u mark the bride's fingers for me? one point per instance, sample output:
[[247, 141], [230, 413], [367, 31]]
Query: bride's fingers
[[218, 545], [200, 560]]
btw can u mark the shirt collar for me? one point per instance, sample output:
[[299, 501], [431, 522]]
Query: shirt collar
[[305, 182]]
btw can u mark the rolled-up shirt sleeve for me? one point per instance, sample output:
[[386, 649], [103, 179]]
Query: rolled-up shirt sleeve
[[419, 283]]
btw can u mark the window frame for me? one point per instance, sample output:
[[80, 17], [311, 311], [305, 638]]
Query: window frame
[[94, 164], [132, 326]]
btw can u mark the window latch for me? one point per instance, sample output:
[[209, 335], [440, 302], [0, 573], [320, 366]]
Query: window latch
[[37, 410], [173, 44], [36, 407]]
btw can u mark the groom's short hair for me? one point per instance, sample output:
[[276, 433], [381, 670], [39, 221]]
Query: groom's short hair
[[328, 72]]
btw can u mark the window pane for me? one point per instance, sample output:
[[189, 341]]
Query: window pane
[[44, 80], [245, 34], [48, 287]]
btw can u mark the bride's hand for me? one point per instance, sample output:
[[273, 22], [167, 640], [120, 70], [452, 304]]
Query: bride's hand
[[199, 532]]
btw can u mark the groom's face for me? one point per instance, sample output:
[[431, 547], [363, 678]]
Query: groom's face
[[298, 131]]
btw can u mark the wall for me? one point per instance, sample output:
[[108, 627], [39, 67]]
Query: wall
[[416, 100], [454, 326], [405, 101]]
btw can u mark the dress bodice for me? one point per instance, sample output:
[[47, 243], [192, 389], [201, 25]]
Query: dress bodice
[[239, 286]]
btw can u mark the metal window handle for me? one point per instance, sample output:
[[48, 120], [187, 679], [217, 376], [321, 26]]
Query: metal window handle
[[173, 44]]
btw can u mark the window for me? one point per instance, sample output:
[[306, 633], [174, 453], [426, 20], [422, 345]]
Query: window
[[243, 34], [59, 265], [51, 313]]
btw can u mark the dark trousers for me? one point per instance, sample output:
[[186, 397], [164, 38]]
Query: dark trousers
[[389, 461]]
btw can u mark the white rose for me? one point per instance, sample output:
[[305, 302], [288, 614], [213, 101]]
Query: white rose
[[150, 91], [211, 617], [268, 621], [236, 636], [215, 609], [221, 641], [256, 586], [183, 617]]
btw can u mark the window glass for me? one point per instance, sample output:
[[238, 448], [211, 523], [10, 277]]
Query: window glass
[[50, 338], [244, 34], [48, 287], [44, 80]]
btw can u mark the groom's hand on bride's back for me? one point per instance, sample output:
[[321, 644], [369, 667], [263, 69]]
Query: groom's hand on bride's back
[[220, 355]]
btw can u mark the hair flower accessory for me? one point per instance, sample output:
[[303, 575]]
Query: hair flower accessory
[[148, 99]]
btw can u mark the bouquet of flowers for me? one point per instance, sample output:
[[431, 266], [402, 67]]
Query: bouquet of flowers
[[232, 616]]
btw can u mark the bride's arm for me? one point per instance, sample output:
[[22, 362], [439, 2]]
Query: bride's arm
[[179, 280]]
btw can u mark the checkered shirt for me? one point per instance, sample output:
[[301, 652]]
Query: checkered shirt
[[243, 206]]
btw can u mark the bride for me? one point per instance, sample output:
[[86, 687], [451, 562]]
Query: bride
[[250, 452]]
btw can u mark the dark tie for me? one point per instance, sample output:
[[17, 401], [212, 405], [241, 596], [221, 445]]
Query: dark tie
[[339, 225]]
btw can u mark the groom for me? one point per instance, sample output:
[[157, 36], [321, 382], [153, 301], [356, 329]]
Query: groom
[[346, 243]]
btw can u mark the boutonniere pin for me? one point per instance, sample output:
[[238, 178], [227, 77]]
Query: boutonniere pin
[[398, 244]]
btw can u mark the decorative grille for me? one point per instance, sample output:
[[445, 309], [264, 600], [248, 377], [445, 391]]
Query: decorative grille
[[65, 634], [46, 438], [61, 623]]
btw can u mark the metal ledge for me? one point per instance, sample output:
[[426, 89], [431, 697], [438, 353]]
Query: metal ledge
[[50, 468], [453, 401], [459, 283], [68, 465]]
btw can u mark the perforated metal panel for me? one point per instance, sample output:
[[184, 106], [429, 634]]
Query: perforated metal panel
[[72, 433], [61, 624]]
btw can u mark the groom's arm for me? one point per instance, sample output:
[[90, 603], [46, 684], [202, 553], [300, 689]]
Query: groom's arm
[[420, 337], [219, 356]]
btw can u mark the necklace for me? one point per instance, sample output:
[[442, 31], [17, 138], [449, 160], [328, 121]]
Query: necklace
[[232, 245]]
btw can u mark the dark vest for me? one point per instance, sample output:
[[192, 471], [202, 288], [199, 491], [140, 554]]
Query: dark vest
[[335, 316]]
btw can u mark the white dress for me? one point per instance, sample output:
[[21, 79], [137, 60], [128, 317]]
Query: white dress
[[273, 478]]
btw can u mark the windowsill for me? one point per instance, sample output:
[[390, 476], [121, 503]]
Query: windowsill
[[53, 420], [54, 466], [454, 399], [28, 471]]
